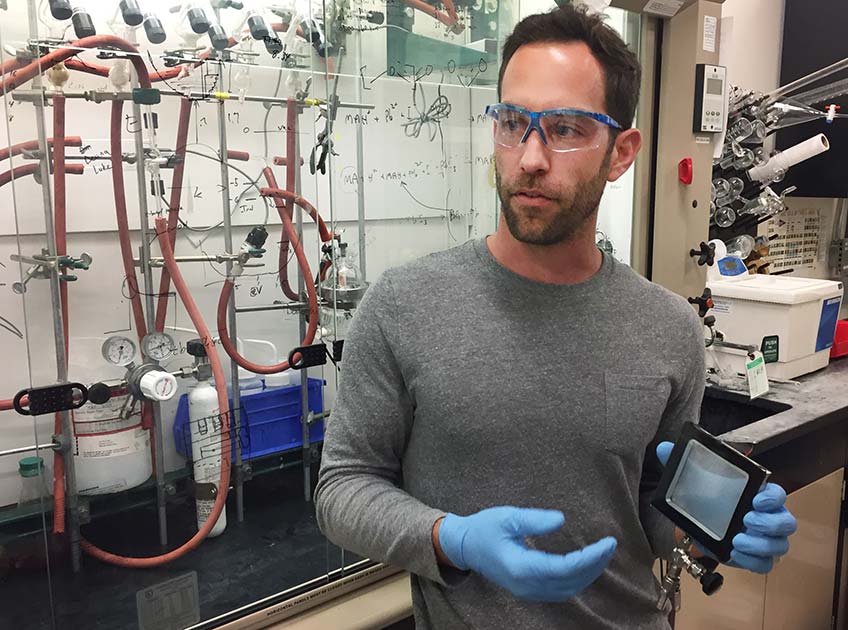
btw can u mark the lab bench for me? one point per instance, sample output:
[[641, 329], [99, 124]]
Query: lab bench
[[800, 433]]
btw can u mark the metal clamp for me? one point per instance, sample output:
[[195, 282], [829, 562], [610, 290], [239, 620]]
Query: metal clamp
[[43, 265]]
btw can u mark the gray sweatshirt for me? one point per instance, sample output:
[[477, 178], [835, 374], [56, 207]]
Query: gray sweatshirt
[[466, 386]]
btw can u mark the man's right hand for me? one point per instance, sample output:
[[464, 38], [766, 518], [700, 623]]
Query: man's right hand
[[492, 543]]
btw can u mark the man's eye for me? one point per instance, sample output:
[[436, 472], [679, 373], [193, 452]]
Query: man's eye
[[564, 131], [511, 124]]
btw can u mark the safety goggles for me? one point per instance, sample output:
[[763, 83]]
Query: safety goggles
[[561, 130]]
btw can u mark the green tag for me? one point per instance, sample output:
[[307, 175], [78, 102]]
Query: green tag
[[755, 369], [771, 348]]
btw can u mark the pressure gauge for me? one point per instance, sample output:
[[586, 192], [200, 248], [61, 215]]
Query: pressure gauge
[[158, 346], [118, 350]]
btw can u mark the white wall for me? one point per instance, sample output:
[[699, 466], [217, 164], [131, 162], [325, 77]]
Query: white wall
[[751, 42]]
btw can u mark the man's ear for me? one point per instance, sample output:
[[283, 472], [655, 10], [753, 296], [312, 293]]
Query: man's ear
[[623, 153]]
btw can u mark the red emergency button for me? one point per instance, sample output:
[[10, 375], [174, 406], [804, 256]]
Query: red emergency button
[[684, 171]]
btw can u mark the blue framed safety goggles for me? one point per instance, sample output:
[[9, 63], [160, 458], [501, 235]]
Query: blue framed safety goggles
[[561, 130]]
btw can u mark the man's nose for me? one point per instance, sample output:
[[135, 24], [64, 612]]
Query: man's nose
[[535, 156]]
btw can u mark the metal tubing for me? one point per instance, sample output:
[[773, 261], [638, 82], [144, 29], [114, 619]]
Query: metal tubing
[[289, 306], [98, 96], [218, 258], [35, 447], [231, 311], [147, 274], [360, 178], [71, 497], [304, 373]]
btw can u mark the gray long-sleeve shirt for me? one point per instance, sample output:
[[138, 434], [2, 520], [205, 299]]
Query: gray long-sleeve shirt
[[466, 386]]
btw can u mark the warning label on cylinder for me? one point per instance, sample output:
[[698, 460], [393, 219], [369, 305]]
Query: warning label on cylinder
[[170, 605], [112, 444]]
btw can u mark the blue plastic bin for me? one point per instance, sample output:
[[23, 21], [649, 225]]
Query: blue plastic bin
[[270, 421]]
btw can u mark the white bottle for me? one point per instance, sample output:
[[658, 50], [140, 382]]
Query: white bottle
[[205, 430]]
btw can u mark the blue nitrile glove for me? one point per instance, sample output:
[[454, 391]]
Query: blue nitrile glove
[[767, 526], [492, 543]]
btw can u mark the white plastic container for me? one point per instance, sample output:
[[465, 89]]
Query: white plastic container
[[798, 314], [110, 454]]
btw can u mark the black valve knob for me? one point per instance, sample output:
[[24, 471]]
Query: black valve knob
[[711, 582], [131, 12], [60, 9], [197, 20], [218, 37], [375, 17], [83, 24], [705, 255], [196, 348], [709, 321], [258, 27], [154, 29], [274, 45], [99, 393], [704, 302], [257, 236]]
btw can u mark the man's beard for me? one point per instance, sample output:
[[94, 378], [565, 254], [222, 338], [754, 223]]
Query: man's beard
[[573, 208]]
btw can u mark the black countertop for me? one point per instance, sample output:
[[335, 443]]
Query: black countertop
[[820, 401]]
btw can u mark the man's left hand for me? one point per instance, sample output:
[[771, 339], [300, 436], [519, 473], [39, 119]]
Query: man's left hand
[[767, 526]]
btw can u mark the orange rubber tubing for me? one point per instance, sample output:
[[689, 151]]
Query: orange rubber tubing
[[61, 232], [29, 169], [223, 404], [227, 291], [121, 217], [24, 74], [103, 71], [32, 145], [174, 207], [451, 19]]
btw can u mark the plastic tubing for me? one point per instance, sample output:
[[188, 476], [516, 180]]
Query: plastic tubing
[[227, 291], [223, 404], [32, 145], [174, 207]]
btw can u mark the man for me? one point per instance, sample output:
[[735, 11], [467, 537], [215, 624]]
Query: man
[[500, 402]]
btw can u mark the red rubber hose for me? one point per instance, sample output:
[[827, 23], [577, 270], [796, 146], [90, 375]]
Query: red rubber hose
[[227, 291], [24, 74], [291, 173], [29, 169], [11, 65], [451, 19], [103, 71], [121, 217], [32, 145], [270, 191], [283, 260], [61, 232], [174, 207], [241, 156], [279, 160], [223, 405]]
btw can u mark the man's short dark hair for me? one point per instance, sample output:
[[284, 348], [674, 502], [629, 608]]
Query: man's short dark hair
[[622, 72]]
